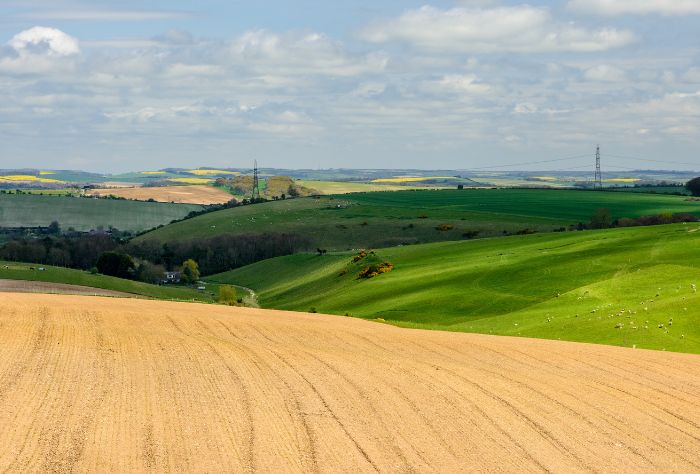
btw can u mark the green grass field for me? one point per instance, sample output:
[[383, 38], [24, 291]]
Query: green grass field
[[387, 219], [84, 214], [613, 287]]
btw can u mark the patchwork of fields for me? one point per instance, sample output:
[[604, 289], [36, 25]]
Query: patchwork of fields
[[84, 214], [117, 385], [407, 217], [627, 287]]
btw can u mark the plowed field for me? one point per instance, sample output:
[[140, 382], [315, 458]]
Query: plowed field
[[101, 384], [196, 194]]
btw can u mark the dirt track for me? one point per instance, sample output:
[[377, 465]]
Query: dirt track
[[95, 384]]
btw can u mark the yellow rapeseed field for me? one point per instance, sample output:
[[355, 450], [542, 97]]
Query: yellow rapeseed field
[[191, 180], [28, 177], [409, 179], [622, 180], [212, 172]]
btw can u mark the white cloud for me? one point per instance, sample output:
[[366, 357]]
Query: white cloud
[[522, 29], [525, 108], [39, 50], [302, 54], [461, 84], [44, 40], [605, 73], [621, 7]]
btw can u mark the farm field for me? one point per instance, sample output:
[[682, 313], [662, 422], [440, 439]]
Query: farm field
[[633, 287], [384, 219], [84, 214], [195, 194], [23, 272], [118, 385], [27, 286], [343, 187]]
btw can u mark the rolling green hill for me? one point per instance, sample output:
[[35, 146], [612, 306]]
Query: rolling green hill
[[384, 219], [84, 214], [628, 287]]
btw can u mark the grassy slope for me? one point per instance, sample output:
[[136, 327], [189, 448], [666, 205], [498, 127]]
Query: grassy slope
[[570, 286], [85, 214], [392, 218], [20, 271]]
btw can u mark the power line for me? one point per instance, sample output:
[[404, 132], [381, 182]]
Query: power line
[[598, 180], [528, 163], [652, 161], [255, 196]]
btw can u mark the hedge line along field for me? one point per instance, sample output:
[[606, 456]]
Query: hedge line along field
[[634, 287], [116, 385], [385, 219], [83, 214]]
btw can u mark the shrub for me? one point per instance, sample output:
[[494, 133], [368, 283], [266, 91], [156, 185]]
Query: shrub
[[360, 256], [227, 295], [375, 269], [526, 231], [470, 234]]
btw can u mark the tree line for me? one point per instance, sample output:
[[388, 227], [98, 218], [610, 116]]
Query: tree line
[[147, 261]]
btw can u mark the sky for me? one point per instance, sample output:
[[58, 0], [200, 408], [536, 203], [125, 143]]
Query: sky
[[114, 86]]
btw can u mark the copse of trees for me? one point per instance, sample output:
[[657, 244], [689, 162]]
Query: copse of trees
[[80, 251], [693, 186], [220, 253], [116, 264]]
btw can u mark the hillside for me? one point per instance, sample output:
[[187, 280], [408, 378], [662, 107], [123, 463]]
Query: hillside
[[66, 276], [114, 385], [84, 214], [625, 287], [384, 219]]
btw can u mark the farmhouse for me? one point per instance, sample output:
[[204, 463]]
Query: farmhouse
[[171, 277]]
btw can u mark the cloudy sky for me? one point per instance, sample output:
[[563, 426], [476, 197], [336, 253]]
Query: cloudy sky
[[123, 85]]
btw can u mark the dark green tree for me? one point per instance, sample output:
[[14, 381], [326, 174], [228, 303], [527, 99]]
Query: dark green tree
[[116, 264], [601, 219], [693, 186]]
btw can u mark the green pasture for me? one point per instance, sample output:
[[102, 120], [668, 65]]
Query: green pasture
[[385, 219], [633, 287], [84, 214]]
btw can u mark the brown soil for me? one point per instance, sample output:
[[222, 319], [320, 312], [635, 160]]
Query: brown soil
[[194, 194], [117, 385], [22, 286]]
